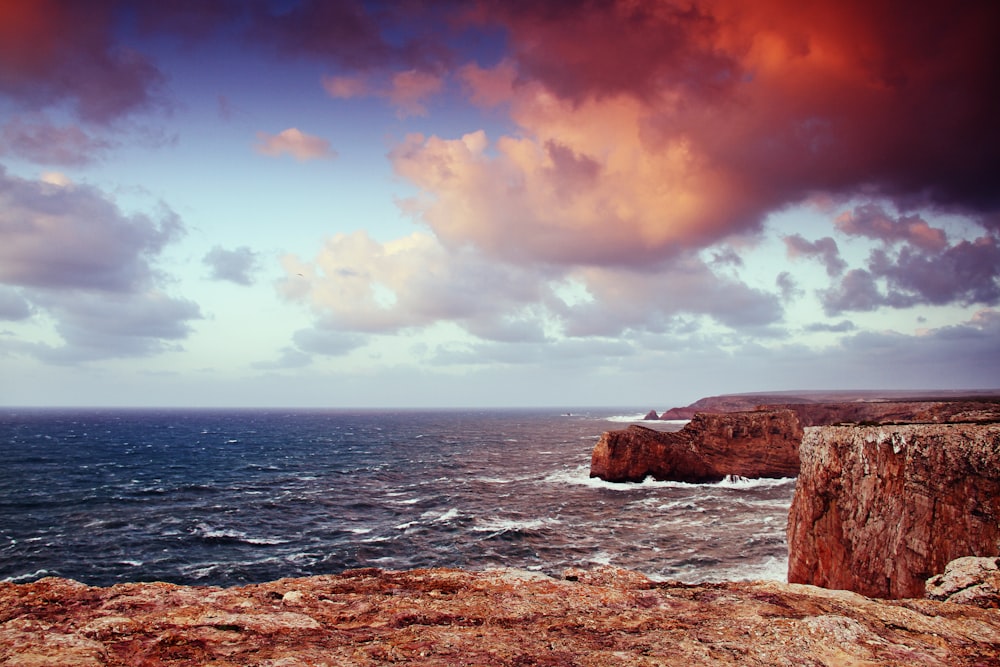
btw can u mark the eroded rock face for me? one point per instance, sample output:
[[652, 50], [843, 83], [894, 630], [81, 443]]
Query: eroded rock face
[[449, 617], [880, 509], [711, 446]]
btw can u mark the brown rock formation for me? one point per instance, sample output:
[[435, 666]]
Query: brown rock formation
[[707, 449], [879, 509], [449, 617]]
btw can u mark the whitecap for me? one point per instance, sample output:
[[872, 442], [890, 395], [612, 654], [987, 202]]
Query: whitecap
[[502, 525], [627, 418], [31, 576], [453, 513]]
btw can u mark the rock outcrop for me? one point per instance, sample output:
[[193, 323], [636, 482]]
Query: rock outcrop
[[709, 448], [968, 580], [450, 617], [880, 509]]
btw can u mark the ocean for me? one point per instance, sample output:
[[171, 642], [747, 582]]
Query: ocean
[[229, 497]]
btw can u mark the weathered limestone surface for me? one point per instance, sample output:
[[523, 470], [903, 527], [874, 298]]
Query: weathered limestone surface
[[710, 447], [880, 509], [449, 617]]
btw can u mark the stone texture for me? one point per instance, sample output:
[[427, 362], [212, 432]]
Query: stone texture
[[880, 509], [707, 449], [968, 580], [451, 617]]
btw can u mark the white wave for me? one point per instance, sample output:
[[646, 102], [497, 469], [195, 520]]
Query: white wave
[[773, 569], [207, 532], [132, 563], [737, 482], [601, 558], [627, 418], [453, 513], [581, 476], [407, 501], [31, 576], [501, 525], [361, 531]]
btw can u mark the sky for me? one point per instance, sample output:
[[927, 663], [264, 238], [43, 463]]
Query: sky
[[495, 203]]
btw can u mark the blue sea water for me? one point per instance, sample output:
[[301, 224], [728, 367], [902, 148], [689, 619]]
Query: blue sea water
[[226, 497]]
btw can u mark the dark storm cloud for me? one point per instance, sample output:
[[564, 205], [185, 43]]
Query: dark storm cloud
[[55, 52], [893, 99]]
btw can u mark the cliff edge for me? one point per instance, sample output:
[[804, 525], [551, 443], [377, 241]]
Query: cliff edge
[[879, 509]]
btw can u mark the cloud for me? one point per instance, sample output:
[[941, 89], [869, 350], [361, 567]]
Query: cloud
[[856, 291], [647, 129], [296, 143], [98, 326], [964, 273], [40, 141], [73, 255], [357, 284], [967, 273], [346, 87], [838, 327], [872, 221], [326, 342], [64, 52], [825, 248], [410, 90], [13, 306], [72, 236], [407, 90], [236, 266], [655, 301], [787, 286]]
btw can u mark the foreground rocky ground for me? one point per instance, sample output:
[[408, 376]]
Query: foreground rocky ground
[[450, 617]]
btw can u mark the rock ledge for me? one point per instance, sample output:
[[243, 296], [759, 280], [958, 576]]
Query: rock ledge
[[451, 617]]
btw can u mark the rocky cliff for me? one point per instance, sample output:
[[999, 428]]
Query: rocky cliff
[[818, 408], [890, 412], [879, 509], [449, 617], [708, 448]]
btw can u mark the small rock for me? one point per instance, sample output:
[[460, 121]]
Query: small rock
[[970, 580]]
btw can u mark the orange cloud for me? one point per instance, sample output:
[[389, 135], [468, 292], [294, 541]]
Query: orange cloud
[[296, 143], [407, 90], [346, 87], [648, 128]]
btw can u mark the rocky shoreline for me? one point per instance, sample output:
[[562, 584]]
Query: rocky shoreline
[[878, 509]]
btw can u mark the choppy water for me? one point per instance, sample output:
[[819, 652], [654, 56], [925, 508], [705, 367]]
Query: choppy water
[[230, 497]]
